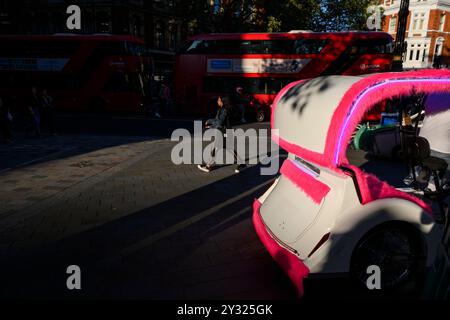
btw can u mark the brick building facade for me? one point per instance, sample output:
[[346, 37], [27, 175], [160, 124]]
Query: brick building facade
[[427, 31]]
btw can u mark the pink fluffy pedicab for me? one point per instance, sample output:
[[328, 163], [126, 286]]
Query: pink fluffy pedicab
[[324, 215]]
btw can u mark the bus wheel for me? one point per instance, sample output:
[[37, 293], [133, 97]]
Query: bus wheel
[[260, 115], [397, 251], [97, 105]]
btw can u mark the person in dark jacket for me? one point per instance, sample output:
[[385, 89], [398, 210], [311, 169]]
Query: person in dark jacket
[[5, 120], [32, 113], [47, 112], [222, 119], [239, 101], [221, 122]]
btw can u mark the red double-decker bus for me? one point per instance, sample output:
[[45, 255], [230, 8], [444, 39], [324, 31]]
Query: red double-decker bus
[[81, 72], [262, 63]]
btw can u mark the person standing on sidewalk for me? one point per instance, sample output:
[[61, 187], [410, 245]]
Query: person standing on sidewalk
[[32, 114], [221, 122], [47, 112], [5, 121], [165, 98], [239, 100]]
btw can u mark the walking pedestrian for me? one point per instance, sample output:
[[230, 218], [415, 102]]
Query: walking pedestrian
[[239, 100], [165, 98], [221, 122], [47, 112], [157, 102], [5, 121], [32, 114]]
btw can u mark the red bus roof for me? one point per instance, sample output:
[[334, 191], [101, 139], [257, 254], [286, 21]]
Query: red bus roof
[[291, 35], [74, 37]]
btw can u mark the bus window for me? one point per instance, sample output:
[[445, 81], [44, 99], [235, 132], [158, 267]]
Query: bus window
[[115, 82], [198, 46], [373, 46], [305, 46], [274, 85], [278, 47], [218, 85], [136, 49], [123, 82], [58, 81], [227, 85], [250, 47], [112, 49], [191, 93], [36, 49], [309, 46], [254, 86], [51, 81]]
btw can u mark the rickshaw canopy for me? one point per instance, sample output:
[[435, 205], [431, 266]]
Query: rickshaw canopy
[[315, 119]]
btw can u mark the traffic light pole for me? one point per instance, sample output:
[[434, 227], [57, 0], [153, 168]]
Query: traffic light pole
[[400, 44]]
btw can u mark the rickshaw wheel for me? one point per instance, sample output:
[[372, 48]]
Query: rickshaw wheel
[[396, 250]]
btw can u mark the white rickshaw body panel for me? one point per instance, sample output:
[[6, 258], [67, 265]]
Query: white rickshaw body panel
[[320, 207]]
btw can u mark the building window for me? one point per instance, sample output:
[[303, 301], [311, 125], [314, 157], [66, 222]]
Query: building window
[[137, 27], [442, 22], [57, 22], [439, 45], [411, 52], [422, 21], [437, 59], [172, 35], [103, 22], [418, 21], [42, 23], [393, 24], [159, 35], [88, 21]]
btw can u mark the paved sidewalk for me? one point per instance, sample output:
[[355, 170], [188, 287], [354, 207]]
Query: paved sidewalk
[[137, 225], [42, 168]]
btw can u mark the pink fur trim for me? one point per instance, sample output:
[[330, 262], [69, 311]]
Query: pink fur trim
[[312, 187], [311, 156], [291, 264], [372, 189], [391, 89], [308, 155]]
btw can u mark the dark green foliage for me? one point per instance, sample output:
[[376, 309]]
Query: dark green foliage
[[274, 15]]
